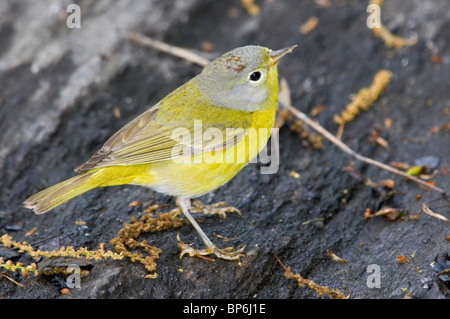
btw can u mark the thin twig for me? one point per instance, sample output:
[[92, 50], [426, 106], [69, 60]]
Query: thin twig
[[428, 211], [12, 280], [173, 50], [195, 58], [314, 125]]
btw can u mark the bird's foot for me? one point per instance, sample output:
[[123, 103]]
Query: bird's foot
[[228, 253], [219, 208]]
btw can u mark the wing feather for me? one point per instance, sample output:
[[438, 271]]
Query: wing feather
[[145, 140]]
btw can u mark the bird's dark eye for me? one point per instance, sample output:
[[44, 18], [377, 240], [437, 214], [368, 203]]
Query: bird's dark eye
[[255, 76]]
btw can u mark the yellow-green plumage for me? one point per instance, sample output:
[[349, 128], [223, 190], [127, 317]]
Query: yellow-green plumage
[[141, 152]]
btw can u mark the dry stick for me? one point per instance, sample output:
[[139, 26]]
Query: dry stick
[[195, 58], [352, 153], [164, 47]]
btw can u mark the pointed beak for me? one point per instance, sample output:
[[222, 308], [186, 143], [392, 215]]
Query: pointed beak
[[278, 54]]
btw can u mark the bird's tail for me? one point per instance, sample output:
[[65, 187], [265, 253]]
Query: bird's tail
[[60, 193]]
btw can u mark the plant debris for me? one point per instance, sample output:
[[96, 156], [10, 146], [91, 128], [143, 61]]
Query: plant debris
[[69, 251], [251, 7], [401, 259], [390, 213], [320, 290], [388, 183], [135, 203], [294, 174], [428, 211], [309, 25], [365, 98], [323, 3], [150, 222], [389, 39], [31, 232], [378, 139], [125, 241], [335, 257]]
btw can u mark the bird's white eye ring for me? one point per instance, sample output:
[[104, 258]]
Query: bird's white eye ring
[[255, 76]]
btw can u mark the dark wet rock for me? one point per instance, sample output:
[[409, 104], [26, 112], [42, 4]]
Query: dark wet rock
[[60, 88]]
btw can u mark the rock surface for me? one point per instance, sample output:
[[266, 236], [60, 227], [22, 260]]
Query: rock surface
[[61, 89]]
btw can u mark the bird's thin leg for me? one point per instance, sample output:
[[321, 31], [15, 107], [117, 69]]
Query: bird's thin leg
[[226, 253]]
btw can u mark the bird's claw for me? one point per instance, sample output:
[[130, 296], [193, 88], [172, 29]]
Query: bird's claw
[[228, 253], [213, 209]]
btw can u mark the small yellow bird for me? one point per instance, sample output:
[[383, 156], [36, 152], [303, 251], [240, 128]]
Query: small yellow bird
[[182, 145]]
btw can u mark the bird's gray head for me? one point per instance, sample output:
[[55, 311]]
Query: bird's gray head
[[240, 79]]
